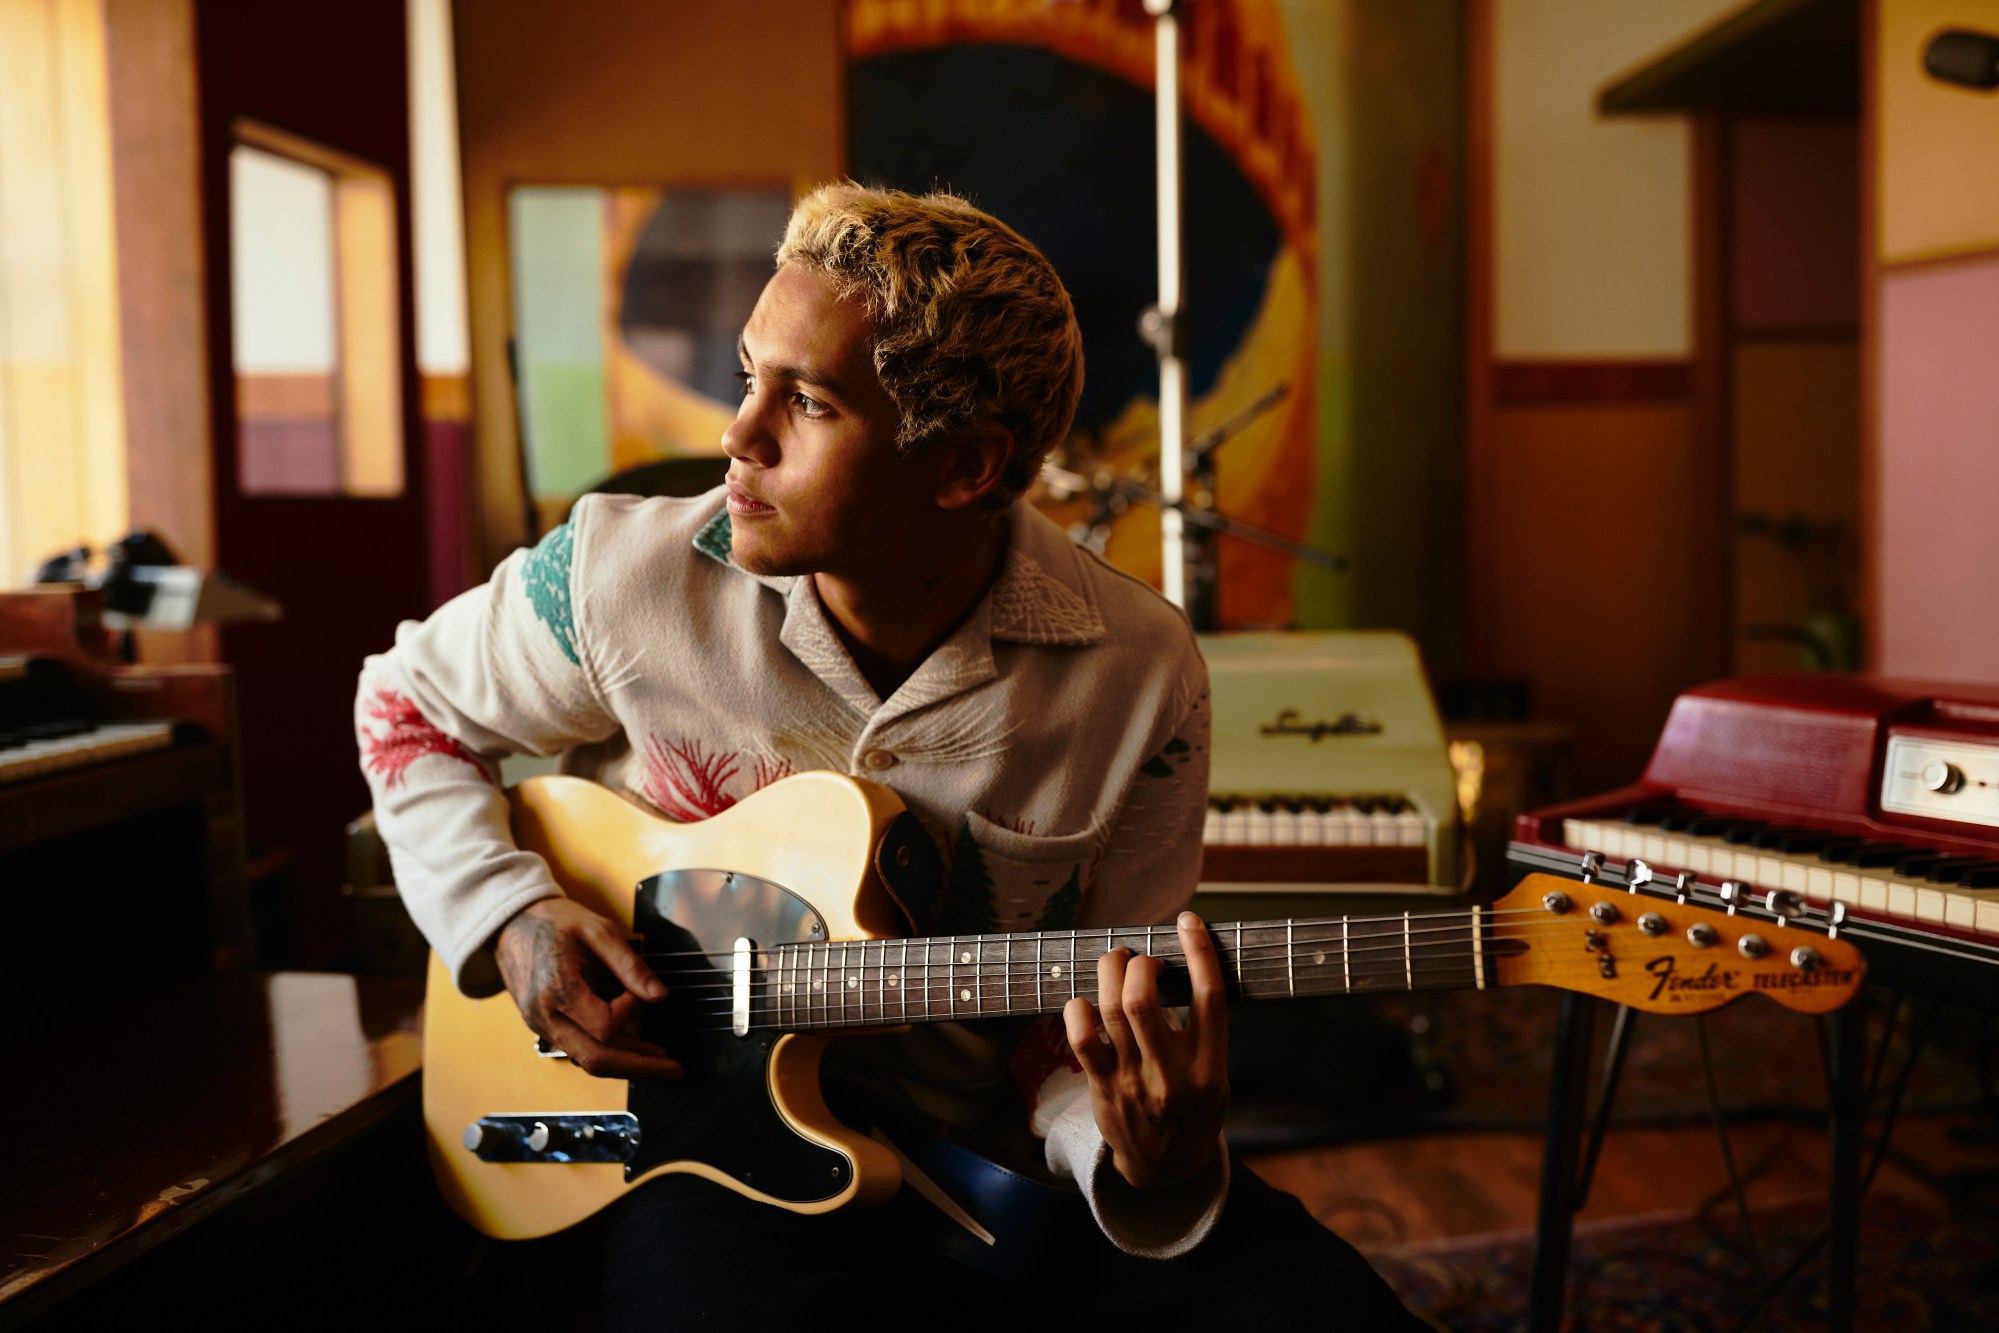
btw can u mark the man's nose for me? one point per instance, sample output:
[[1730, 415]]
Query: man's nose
[[748, 437]]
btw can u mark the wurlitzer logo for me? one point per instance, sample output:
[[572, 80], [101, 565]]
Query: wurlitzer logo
[[1290, 722]]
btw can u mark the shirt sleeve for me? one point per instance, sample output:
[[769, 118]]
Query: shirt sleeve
[[1150, 868], [499, 670]]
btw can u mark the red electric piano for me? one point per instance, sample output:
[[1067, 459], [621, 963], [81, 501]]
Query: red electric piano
[[1855, 803]]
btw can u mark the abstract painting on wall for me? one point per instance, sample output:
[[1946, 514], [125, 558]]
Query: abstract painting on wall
[[627, 304]]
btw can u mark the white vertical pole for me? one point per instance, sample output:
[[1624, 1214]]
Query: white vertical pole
[[1172, 370]]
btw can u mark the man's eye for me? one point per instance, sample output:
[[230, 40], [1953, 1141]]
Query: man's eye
[[809, 407], [748, 381]]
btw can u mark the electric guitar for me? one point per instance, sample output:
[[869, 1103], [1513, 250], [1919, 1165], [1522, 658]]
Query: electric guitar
[[778, 924]]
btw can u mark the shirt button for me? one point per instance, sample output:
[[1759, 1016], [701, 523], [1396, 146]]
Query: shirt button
[[878, 760]]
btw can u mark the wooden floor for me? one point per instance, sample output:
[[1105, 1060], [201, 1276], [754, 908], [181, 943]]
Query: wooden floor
[[1383, 1194]]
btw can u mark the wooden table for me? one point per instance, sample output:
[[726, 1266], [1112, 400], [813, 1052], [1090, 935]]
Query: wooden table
[[137, 1125]]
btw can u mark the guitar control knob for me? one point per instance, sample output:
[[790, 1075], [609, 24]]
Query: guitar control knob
[[1942, 777], [538, 1137]]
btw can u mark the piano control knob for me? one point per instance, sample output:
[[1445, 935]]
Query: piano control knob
[[1700, 934], [1652, 924], [1556, 902], [1942, 777], [1603, 913], [475, 1134], [1805, 958], [1752, 946], [538, 1137]]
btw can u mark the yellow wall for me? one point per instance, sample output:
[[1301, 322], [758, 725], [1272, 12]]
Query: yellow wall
[[1936, 182], [1591, 219], [623, 92]]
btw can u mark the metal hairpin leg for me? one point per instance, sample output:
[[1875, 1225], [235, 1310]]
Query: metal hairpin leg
[[1849, 1126], [1548, 1287]]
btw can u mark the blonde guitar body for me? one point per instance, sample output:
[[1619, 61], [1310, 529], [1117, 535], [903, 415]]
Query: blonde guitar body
[[816, 834]]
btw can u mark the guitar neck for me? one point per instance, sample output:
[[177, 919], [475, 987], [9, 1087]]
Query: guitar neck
[[875, 983]]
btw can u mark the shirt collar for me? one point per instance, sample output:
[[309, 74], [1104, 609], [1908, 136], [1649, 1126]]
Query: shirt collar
[[1042, 595]]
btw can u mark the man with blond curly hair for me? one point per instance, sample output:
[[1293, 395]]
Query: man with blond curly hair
[[866, 595]]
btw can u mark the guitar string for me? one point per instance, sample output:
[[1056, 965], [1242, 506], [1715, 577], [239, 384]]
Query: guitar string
[[1166, 933], [1271, 953]]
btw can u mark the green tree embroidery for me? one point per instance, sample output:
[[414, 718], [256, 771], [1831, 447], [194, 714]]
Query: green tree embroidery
[[968, 899], [1062, 908], [545, 576]]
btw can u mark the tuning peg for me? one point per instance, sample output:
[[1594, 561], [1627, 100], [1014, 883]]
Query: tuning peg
[[1683, 886], [1784, 905], [1592, 866], [1732, 893], [1635, 874]]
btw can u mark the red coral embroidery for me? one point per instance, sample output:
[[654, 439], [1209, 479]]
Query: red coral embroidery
[[409, 737], [685, 781], [770, 770], [1043, 1049]]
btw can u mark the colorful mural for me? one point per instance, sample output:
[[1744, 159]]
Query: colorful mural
[[1043, 114]]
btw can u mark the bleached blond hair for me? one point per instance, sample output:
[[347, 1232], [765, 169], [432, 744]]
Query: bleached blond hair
[[972, 326]]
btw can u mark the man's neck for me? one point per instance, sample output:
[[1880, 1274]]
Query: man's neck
[[892, 620]]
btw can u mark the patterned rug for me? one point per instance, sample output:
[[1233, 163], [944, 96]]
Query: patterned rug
[[1337, 1069], [1920, 1272]]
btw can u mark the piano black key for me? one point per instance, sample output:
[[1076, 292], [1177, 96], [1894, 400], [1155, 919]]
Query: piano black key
[[1743, 831], [1679, 821], [1950, 869], [1770, 839], [1984, 876], [1842, 853], [1711, 826], [1881, 855], [1804, 844], [1644, 816]]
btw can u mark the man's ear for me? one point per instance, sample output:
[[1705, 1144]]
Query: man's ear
[[975, 466]]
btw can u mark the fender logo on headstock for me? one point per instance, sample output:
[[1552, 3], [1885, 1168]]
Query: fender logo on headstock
[[1714, 978]]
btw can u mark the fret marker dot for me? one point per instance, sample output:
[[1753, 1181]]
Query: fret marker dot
[[965, 957], [894, 981], [853, 982], [964, 995], [788, 987], [818, 985], [1319, 958], [1055, 971]]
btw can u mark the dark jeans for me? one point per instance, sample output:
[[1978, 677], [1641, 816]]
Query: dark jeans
[[682, 1252]]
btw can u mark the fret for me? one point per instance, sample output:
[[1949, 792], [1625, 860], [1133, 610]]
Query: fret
[[1007, 1003], [1408, 958], [902, 982], [1290, 960], [1040, 1004], [1478, 947], [1346, 956]]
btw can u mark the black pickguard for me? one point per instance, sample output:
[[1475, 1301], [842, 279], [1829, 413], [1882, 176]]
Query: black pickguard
[[721, 1112]]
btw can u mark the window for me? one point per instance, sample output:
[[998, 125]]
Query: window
[[318, 379]]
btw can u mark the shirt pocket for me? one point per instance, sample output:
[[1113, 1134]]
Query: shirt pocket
[[1005, 880]]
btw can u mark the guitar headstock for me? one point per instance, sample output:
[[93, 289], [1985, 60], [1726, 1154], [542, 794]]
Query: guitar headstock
[[1664, 956]]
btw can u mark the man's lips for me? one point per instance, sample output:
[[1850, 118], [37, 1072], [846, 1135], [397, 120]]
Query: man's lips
[[743, 503]]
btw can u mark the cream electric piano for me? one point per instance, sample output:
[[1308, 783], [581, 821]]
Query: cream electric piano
[[1329, 773]]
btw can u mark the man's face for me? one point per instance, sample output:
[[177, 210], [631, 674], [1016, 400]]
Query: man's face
[[815, 485]]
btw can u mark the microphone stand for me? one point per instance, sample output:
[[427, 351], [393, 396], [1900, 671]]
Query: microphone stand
[[1114, 494]]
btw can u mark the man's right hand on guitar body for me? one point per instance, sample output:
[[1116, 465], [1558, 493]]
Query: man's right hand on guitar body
[[547, 952]]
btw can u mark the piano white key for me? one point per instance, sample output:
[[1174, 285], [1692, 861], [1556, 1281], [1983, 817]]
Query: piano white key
[[1929, 903], [1381, 829], [1960, 911], [1818, 883], [1284, 828], [1343, 827], [1988, 916], [1211, 832], [1256, 826], [1874, 894], [1234, 827], [1846, 887], [111, 740]]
